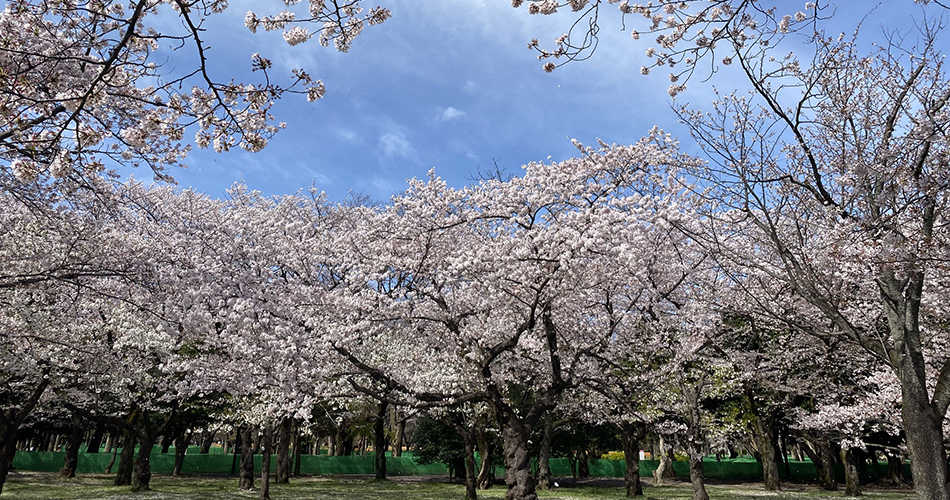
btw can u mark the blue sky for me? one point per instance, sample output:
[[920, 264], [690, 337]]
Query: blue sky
[[448, 84]]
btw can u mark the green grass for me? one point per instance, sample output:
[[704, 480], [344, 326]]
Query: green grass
[[39, 485]]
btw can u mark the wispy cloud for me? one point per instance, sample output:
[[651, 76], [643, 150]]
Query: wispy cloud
[[395, 144], [450, 113], [470, 86], [347, 135]]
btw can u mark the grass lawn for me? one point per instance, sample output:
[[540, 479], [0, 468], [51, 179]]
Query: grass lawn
[[40, 485]]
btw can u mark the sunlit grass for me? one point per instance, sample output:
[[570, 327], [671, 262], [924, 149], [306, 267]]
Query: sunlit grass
[[38, 485]]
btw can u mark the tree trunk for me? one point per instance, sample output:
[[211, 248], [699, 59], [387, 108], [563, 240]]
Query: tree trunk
[[852, 481], [696, 441], [283, 451], [256, 449], [7, 452], [181, 447], [783, 454], [631, 454], [696, 473], [298, 451], [820, 454], [583, 465], [207, 439], [167, 443], [123, 476], [379, 432], [9, 426], [518, 478], [143, 470], [765, 434], [486, 449], [237, 450], [660, 473], [895, 469], [71, 460], [544, 456], [110, 442], [108, 469], [95, 442], [923, 428], [400, 436], [246, 474], [470, 479], [267, 444], [922, 423]]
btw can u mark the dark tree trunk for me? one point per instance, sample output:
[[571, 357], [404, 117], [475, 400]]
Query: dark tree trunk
[[895, 470], [143, 470], [486, 449], [237, 450], [10, 422], [852, 482], [696, 441], [71, 460], [344, 440], [167, 443], [108, 469], [181, 447], [583, 464], [518, 478], [632, 433], [784, 453], [283, 451], [95, 442], [267, 443], [298, 452], [544, 456], [379, 432], [400, 436], [207, 439], [696, 473], [470, 479], [923, 419], [246, 477], [123, 476], [820, 454], [765, 435], [7, 452]]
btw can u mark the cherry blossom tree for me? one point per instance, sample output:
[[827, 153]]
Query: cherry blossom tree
[[494, 291], [834, 188], [70, 295], [84, 89], [827, 179]]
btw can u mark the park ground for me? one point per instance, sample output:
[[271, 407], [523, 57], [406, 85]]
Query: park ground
[[44, 485]]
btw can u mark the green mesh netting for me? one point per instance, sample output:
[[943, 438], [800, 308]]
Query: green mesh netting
[[739, 469]]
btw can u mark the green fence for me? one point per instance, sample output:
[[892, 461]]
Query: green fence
[[739, 469], [218, 463]]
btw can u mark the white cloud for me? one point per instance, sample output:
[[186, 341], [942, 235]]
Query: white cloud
[[347, 135], [470, 86], [396, 144], [450, 113]]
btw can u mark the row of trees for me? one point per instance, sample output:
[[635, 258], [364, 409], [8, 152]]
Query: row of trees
[[584, 288], [796, 263]]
